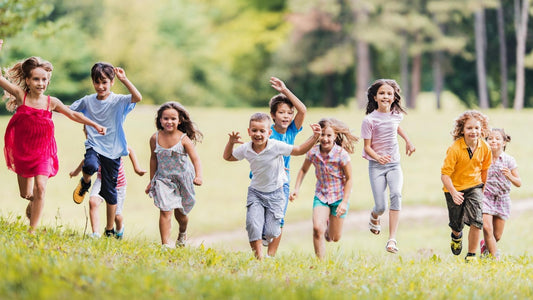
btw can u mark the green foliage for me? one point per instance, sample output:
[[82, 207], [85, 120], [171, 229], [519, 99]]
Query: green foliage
[[17, 14]]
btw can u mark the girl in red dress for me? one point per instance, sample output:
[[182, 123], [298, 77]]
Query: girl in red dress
[[29, 145]]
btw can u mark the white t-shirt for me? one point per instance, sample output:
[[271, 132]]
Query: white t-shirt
[[382, 130], [267, 166]]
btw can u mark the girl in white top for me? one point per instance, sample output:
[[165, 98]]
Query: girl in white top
[[379, 131]]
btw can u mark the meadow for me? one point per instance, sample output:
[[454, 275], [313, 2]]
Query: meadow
[[61, 262]]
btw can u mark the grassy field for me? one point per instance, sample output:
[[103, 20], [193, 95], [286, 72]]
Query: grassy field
[[60, 263]]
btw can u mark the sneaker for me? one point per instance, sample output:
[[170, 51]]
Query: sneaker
[[80, 191], [120, 234], [470, 257], [95, 235], [457, 244], [167, 246], [484, 250], [266, 241], [182, 237], [110, 232]]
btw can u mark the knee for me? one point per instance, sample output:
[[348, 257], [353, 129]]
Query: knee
[[334, 237], [497, 237], [94, 202], [378, 210], [318, 231], [26, 195], [487, 227]]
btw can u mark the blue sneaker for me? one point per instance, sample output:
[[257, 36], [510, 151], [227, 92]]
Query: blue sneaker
[[120, 234]]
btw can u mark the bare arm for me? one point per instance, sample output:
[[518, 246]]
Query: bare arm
[[409, 147], [153, 163], [76, 171], [299, 179], [195, 159], [234, 138], [382, 159], [136, 167], [448, 184], [301, 109], [9, 87], [58, 106], [341, 209], [309, 143], [135, 94]]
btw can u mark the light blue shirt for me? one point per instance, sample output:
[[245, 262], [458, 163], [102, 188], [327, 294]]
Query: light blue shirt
[[110, 113], [288, 137]]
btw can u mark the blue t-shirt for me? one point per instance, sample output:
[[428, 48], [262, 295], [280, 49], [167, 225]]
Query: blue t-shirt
[[110, 113], [287, 137]]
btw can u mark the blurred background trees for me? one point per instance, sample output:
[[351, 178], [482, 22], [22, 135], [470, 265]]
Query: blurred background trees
[[221, 52]]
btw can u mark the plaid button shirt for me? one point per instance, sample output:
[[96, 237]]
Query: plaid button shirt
[[329, 172]]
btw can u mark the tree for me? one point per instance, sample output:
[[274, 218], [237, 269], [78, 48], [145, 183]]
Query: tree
[[503, 56], [480, 36], [521, 19], [18, 13]]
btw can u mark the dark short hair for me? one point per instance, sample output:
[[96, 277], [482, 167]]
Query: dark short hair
[[101, 71]]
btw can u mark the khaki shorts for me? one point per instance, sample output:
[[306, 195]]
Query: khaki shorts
[[469, 212]]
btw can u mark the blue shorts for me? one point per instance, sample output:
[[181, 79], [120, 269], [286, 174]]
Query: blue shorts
[[109, 173], [332, 207]]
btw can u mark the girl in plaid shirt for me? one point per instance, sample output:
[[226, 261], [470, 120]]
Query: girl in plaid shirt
[[333, 170]]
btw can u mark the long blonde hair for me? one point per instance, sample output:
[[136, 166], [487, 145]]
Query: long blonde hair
[[18, 74], [344, 138]]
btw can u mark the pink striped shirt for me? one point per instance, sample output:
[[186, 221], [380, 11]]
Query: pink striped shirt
[[121, 179]]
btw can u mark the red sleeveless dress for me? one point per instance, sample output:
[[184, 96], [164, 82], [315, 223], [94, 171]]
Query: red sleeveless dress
[[29, 144]]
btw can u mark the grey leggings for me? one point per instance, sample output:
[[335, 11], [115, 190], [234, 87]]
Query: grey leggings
[[380, 176]]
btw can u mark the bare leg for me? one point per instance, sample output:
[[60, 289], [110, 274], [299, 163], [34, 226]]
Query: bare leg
[[183, 220], [335, 228], [394, 220], [94, 203], [165, 224], [25, 187], [274, 245], [37, 205], [257, 248], [488, 233], [473, 239], [320, 218], [111, 209], [119, 222]]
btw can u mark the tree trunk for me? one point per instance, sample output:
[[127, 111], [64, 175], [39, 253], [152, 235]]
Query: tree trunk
[[363, 73], [503, 57], [404, 72], [438, 79], [480, 58], [521, 18], [415, 79]]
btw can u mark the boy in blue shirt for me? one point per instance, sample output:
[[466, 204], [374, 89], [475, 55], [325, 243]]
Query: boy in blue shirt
[[110, 110]]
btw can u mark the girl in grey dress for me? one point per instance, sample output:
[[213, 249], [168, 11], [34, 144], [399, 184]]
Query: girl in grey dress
[[174, 168]]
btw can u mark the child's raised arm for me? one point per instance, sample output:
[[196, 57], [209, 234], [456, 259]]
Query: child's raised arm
[[135, 94], [234, 138], [195, 159], [307, 145], [300, 107], [299, 179], [153, 162], [10, 87], [133, 158], [57, 105]]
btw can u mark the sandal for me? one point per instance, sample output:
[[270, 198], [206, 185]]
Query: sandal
[[391, 246], [374, 225]]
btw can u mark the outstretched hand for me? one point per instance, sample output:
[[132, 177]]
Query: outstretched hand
[[316, 129], [277, 84], [409, 149], [235, 138], [121, 74]]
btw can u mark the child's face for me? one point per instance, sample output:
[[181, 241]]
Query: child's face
[[472, 129], [38, 80], [259, 132], [327, 139], [103, 87], [384, 97], [496, 141], [170, 119], [283, 116]]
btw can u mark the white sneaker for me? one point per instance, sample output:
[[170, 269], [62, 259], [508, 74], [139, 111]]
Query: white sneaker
[[182, 238], [95, 235], [267, 242], [168, 246]]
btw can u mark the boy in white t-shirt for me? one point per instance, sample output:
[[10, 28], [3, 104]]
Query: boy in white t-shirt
[[265, 200]]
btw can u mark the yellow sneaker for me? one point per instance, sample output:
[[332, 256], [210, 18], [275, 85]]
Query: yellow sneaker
[[80, 191]]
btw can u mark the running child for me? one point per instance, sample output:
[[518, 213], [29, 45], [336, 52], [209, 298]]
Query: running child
[[496, 201], [104, 152], [175, 168], [333, 170], [266, 199], [380, 130], [95, 200], [463, 174], [29, 144], [287, 123]]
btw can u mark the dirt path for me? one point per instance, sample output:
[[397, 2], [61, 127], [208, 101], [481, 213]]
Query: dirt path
[[357, 220]]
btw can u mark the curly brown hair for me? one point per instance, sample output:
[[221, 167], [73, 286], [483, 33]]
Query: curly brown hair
[[458, 131]]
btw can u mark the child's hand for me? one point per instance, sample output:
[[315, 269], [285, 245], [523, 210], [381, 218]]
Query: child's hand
[[457, 197], [121, 74], [197, 180], [277, 84], [101, 130], [316, 129], [384, 159], [235, 138], [506, 172], [140, 172], [293, 196], [147, 190], [73, 173], [409, 149], [341, 209]]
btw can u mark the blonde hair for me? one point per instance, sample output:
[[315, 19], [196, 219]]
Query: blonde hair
[[458, 131], [344, 138], [18, 74]]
